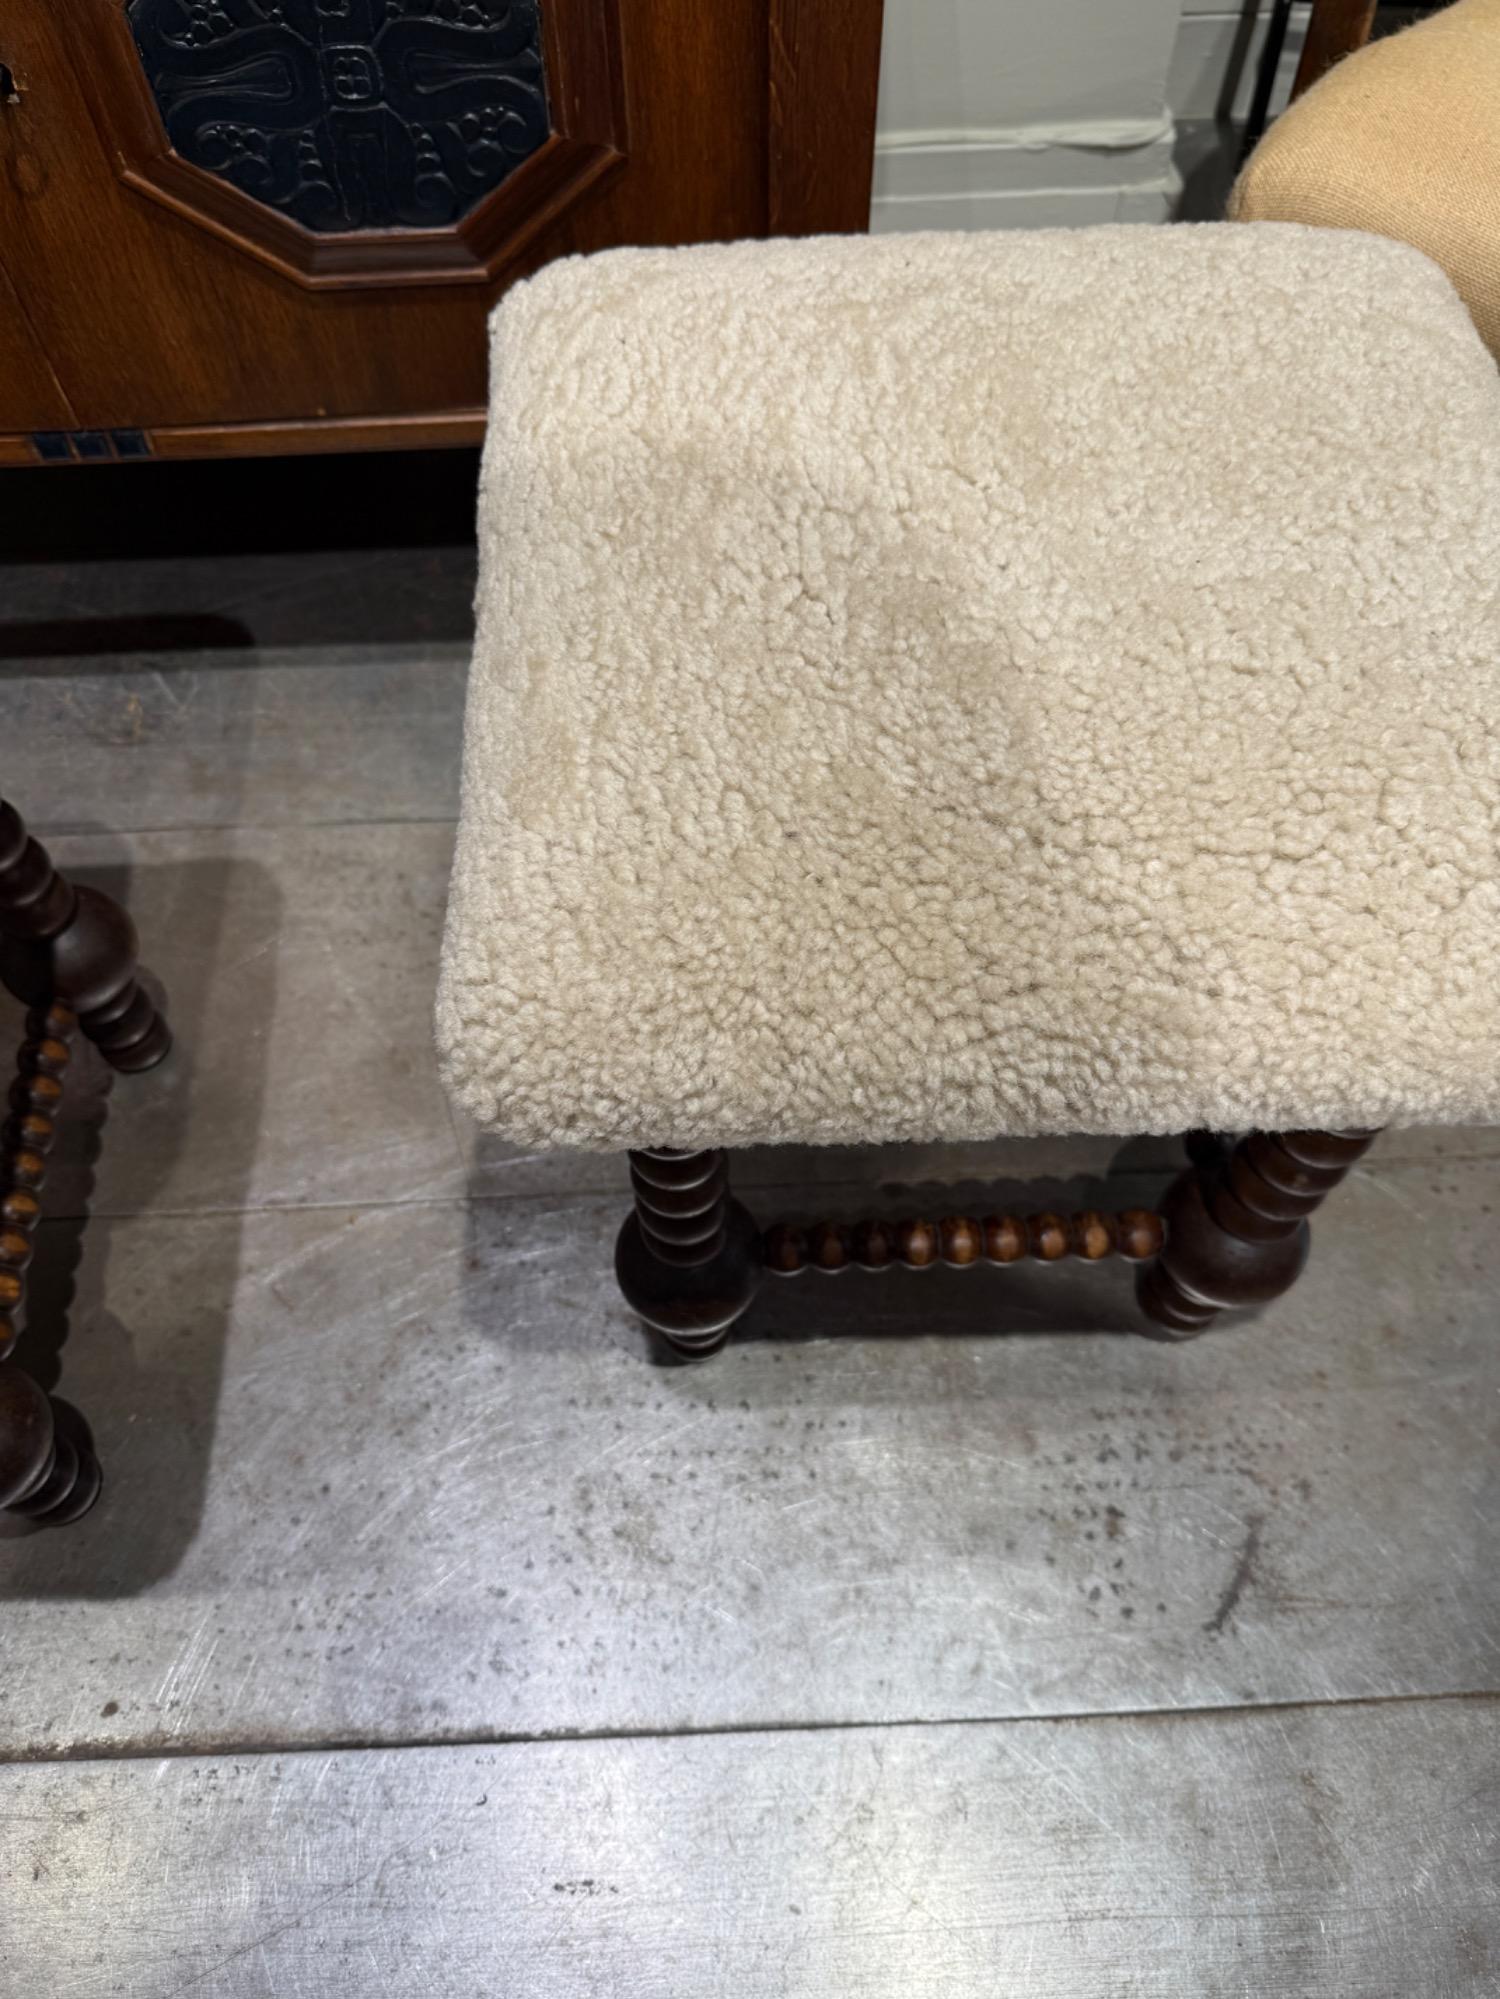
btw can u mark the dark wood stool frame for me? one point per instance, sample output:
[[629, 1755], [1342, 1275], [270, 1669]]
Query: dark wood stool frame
[[1231, 1232], [68, 953]]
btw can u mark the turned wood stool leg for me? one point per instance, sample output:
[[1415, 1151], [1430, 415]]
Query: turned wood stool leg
[[688, 1257], [25, 1140], [69, 954], [45, 1473], [1237, 1231], [74, 944]]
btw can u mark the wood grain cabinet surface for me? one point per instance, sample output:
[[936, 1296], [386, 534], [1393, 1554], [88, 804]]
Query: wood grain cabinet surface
[[236, 226]]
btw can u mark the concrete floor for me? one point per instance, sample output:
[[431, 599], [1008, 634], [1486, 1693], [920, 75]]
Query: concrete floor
[[430, 1638]]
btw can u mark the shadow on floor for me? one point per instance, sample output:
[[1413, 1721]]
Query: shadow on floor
[[150, 1401], [33, 639], [353, 500]]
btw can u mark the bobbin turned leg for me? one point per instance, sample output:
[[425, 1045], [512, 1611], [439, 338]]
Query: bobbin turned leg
[[1237, 1231], [69, 954], [58, 941], [47, 1472], [688, 1256]]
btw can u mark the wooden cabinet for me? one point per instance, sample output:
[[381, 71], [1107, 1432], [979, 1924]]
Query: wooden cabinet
[[277, 225]]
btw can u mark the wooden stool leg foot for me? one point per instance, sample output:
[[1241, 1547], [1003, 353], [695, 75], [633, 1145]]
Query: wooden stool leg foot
[[688, 1257], [1173, 1315], [128, 1030], [77, 945], [48, 1471], [1237, 1231]]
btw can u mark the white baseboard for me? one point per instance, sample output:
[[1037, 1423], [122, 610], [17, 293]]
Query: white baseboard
[[1028, 177], [1031, 208]]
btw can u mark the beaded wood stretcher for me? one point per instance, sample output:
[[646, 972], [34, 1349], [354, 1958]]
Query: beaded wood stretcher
[[68, 953], [1232, 1231]]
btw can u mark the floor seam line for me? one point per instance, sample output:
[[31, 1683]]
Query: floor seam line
[[871, 1193], [502, 1739]]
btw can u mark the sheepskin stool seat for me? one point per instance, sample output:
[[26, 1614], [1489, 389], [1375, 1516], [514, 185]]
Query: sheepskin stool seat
[[944, 686]]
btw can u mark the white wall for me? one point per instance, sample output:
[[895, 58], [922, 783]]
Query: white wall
[[976, 63], [1001, 113], [996, 112], [1218, 53]]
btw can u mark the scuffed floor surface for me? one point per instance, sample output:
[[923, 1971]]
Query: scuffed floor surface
[[432, 1638]]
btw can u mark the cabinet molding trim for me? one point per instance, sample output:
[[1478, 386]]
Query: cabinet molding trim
[[587, 147]]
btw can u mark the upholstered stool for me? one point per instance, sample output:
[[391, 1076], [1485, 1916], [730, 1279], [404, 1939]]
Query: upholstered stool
[[953, 686]]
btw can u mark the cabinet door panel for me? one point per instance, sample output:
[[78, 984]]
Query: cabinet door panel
[[191, 300], [149, 321], [34, 398], [359, 143]]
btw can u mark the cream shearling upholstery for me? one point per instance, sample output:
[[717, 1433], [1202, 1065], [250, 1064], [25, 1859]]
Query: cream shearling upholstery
[[975, 684]]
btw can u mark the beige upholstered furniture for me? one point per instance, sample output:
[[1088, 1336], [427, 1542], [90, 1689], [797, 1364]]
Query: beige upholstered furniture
[[1401, 138], [959, 685]]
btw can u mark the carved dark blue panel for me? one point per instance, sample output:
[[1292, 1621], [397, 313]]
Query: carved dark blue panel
[[349, 114]]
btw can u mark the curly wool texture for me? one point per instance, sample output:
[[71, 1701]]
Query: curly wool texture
[[959, 685]]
